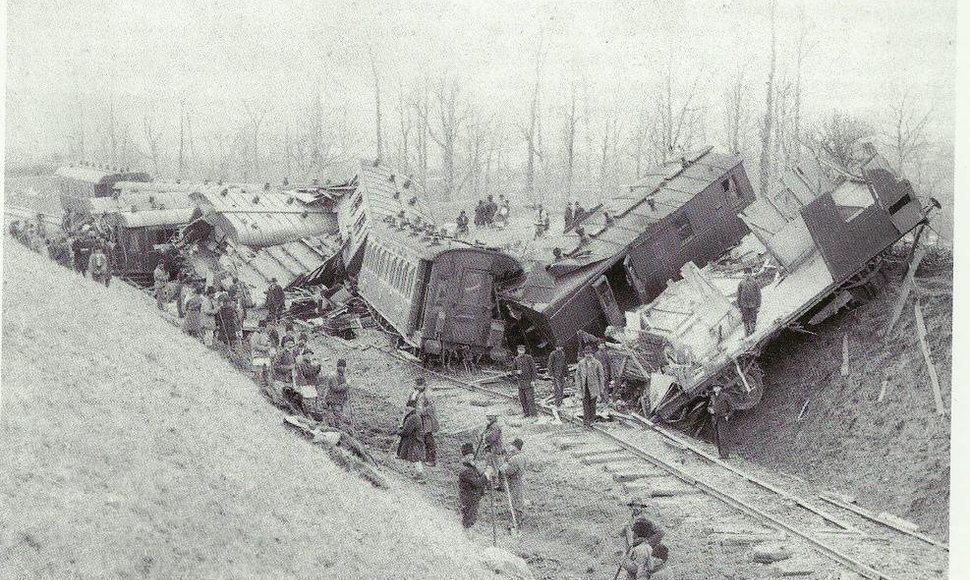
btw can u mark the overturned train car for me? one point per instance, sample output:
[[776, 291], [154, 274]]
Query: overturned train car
[[439, 294]]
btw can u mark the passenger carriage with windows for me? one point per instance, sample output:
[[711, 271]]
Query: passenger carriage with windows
[[437, 293]]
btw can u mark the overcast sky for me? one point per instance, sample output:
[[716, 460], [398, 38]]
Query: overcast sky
[[216, 53]]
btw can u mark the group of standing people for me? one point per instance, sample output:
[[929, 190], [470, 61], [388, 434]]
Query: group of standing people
[[490, 214], [593, 378], [488, 468], [212, 313], [573, 214], [81, 249], [418, 428]]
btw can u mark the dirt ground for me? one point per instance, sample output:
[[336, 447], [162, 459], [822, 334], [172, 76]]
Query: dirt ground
[[129, 450], [892, 455], [572, 524]]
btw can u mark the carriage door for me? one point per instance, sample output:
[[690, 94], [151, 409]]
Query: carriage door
[[471, 315], [634, 278], [614, 317]]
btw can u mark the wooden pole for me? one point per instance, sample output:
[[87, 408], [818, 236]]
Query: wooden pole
[[908, 283], [934, 380]]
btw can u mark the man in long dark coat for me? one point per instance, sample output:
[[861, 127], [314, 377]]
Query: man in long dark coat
[[411, 446], [567, 218], [524, 367], [589, 384], [556, 366], [749, 301], [603, 355], [275, 299], [471, 486]]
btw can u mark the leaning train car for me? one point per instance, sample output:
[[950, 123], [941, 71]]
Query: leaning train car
[[81, 180], [438, 294]]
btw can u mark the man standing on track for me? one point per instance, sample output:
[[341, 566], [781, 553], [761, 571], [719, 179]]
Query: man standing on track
[[589, 384], [556, 366], [524, 367], [603, 355]]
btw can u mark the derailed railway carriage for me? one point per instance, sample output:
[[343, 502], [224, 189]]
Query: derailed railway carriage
[[439, 294]]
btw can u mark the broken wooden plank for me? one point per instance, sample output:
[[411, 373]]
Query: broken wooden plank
[[934, 380], [904, 290], [802, 412], [845, 355], [882, 391]]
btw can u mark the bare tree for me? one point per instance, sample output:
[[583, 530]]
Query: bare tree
[[767, 165], [531, 131], [152, 135], [737, 114], [906, 133], [421, 105], [676, 125], [181, 162], [377, 101], [257, 112], [444, 127], [405, 115], [569, 138], [838, 139]]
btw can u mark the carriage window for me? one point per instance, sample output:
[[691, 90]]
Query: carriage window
[[684, 230]]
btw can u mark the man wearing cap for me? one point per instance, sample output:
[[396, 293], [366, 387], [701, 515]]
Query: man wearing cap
[[337, 389], [556, 366], [471, 486], [589, 384], [513, 469], [749, 301], [275, 299], [524, 367]]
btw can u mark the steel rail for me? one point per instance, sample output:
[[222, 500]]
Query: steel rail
[[828, 550]]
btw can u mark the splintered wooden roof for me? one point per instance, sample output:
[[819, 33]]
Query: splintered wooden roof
[[258, 217]]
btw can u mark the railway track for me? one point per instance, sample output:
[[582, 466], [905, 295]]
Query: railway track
[[637, 450]]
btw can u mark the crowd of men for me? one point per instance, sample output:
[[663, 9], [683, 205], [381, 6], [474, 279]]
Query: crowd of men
[[81, 248], [214, 311]]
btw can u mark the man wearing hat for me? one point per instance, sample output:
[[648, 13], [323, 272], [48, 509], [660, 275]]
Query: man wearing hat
[[645, 553], [275, 299], [410, 448], [513, 469], [556, 367], [337, 389], [471, 486], [429, 423], [524, 368], [589, 384], [749, 301]]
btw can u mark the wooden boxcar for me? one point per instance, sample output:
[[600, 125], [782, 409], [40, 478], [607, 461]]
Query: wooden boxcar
[[682, 211], [439, 295]]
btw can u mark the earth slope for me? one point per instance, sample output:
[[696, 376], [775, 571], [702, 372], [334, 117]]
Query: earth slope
[[129, 450]]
